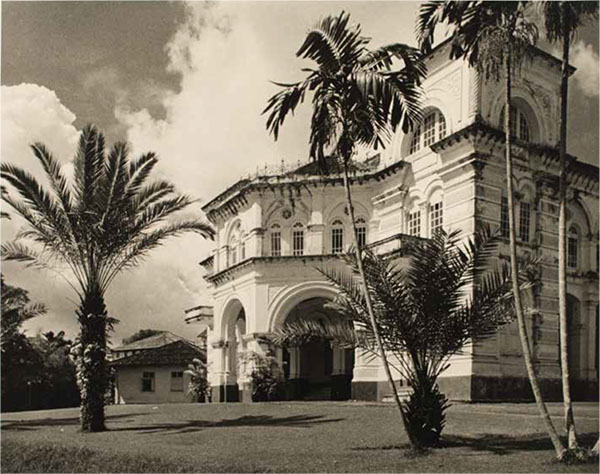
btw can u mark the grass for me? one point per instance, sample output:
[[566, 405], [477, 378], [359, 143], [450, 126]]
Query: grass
[[285, 437]]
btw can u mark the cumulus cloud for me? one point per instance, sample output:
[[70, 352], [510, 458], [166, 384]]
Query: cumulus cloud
[[212, 132], [585, 59], [212, 126], [33, 113]]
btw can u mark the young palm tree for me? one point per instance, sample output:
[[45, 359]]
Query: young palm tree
[[562, 20], [495, 37], [422, 314], [357, 101], [106, 220]]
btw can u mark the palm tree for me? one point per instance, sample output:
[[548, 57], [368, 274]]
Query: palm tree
[[103, 221], [357, 101], [495, 37], [561, 21], [422, 314]]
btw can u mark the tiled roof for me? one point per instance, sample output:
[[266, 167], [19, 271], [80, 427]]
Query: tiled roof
[[152, 342], [179, 352]]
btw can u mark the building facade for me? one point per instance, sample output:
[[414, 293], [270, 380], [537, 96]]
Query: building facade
[[276, 229], [153, 369]]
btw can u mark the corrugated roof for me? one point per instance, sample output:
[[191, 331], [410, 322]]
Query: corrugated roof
[[158, 340], [179, 353]]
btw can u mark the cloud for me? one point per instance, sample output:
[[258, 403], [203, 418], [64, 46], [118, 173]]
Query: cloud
[[212, 126], [32, 113], [585, 59], [148, 296], [212, 132]]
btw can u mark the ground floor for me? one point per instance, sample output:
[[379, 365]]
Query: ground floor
[[263, 298]]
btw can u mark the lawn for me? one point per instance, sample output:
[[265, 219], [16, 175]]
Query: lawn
[[285, 437]]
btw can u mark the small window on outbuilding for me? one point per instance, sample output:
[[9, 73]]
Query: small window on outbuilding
[[147, 381], [177, 381]]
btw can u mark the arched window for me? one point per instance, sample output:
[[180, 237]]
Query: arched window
[[275, 240], [233, 251], [519, 125], [430, 131], [361, 232], [436, 217], [414, 222], [242, 248], [298, 239], [572, 248], [337, 236], [524, 220]]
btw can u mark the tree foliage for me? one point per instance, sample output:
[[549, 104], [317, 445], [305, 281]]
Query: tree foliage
[[141, 334], [16, 309], [88, 229], [358, 97]]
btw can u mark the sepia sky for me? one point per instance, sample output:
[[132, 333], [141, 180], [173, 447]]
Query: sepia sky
[[188, 81]]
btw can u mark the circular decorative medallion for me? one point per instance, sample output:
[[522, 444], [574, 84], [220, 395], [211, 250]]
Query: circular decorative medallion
[[286, 213]]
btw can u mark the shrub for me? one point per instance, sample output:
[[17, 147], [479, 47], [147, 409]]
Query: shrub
[[198, 386], [266, 379]]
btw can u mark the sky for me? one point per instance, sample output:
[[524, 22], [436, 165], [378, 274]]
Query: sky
[[188, 81]]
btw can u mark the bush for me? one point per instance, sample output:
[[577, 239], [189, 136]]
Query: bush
[[198, 386], [266, 379]]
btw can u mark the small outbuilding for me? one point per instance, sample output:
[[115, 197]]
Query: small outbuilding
[[153, 371]]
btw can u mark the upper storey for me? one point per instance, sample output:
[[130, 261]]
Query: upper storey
[[455, 96]]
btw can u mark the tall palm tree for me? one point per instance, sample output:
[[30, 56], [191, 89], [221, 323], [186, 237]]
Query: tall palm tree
[[422, 314], [103, 221], [561, 21], [494, 37], [357, 101]]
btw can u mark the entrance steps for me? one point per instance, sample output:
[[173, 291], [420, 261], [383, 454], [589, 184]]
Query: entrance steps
[[403, 394]]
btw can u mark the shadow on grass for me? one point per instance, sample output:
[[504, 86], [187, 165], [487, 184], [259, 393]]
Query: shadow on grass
[[297, 421], [491, 443], [27, 425]]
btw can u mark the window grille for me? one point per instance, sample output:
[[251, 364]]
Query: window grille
[[429, 129], [147, 381], [275, 241], [441, 126], [298, 240], [437, 216], [524, 221], [572, 248], [337, 237], [414, 223], [361, 232], [415, 141]]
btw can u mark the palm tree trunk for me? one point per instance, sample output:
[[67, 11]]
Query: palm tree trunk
[[535, 388], [92, 374], [365, 288], [562, 240]]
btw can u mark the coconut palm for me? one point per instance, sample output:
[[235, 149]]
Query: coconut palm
[[103, 221], [422, 313], [495, 37], [358, 100], [561, 22]]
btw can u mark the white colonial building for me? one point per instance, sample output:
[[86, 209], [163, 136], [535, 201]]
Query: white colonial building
[[273, 230]]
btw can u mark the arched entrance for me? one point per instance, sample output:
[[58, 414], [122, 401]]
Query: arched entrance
[[317, 370], [233, 374]]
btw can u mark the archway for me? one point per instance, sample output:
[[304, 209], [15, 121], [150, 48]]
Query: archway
[[233, 373], [319, 369]]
